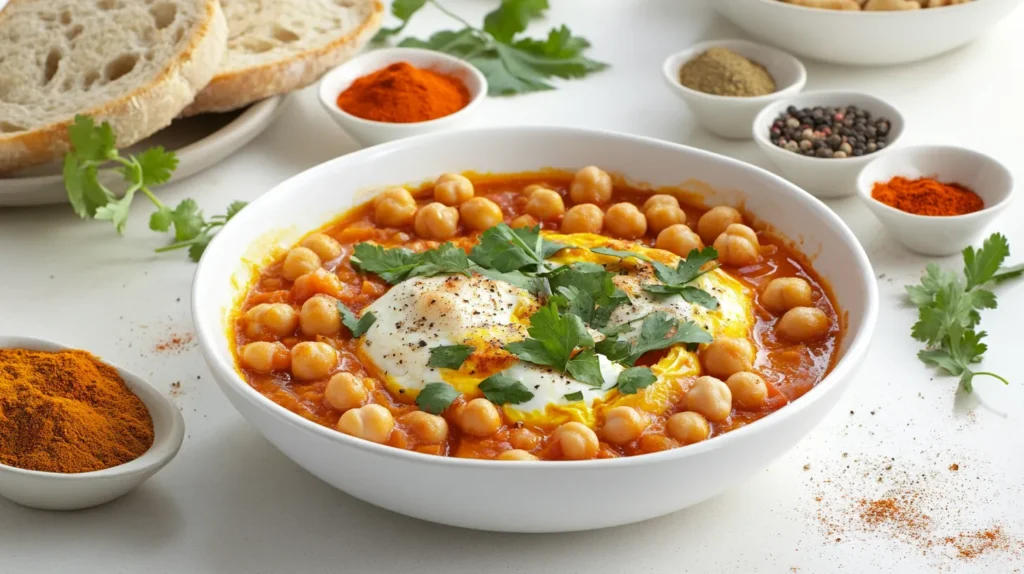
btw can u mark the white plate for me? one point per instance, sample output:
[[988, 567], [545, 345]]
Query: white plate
[[200, 142]]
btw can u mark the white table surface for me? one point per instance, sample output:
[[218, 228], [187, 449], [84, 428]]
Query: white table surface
[[230, 502]]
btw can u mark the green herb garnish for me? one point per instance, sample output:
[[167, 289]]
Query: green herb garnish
[[620, 254], [658, 331], [92, 146], [635, 378], [501, 389], [358, 325], [397, 265], [435, 398], [586, 290], [948, 309], [449, 356], [511, 65], [505, 249], [577, 396], [554, 337], [676, 281]]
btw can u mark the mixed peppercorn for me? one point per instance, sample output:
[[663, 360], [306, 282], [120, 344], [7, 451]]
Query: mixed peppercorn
[[830, 132]]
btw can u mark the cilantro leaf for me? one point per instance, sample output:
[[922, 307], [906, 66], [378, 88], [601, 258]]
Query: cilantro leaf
[[85, 192], [502, 389], [505, 249], [397, 265], [519, 279], [553, 338], [659, 330], [585, 367], [156, 165], [981, 265], [233, 208], [188, 220], [512, 17], [89, 142], [435, 398], [620, 253], [357, 325], [675, 280], [1005, 273], [587, 290], [404, 10], [635, 378], [577, 396], [449, 356], [117, 211]]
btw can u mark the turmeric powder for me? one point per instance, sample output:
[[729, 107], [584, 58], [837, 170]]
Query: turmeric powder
[[68, 412]]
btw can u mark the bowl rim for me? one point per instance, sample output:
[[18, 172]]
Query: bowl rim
[[862, 13], [227, 376], [164, 448], [772, 109], [670, 71], [329, 101], [864, 188]]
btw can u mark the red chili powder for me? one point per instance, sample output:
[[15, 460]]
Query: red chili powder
[[927, 196], [403, 93]]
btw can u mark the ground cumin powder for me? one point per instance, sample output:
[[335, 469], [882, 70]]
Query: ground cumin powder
[[68, 412]]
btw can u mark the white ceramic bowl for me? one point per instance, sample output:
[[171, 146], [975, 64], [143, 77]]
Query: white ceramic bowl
[[864, 38], [824, 177], [543, 496], [727, 116], [369, 132], [939, 236], [57, 491]]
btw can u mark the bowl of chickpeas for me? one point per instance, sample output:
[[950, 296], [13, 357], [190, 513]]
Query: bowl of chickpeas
[[373, 318], [866, 32]]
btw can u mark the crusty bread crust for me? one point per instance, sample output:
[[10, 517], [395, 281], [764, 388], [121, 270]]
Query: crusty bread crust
[[138, 114], [238, 88]]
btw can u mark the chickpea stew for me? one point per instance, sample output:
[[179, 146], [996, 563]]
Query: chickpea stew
[[548, 316]]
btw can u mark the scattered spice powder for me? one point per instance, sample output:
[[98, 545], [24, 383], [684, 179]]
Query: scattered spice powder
[[973, 544], [402, 93], [927, 196], [954, 467], [175, 343]]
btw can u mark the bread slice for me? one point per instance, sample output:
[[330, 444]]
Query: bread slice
[[278, 46], [133, 63]]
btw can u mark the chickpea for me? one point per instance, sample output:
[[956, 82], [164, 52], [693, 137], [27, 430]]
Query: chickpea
[[481, 214], [436, 221], [516, 454], [394, 208], [591, 185], [802, 324], [298, 262], [738, 246], [319, 316], [479, 418], [583, 218], [312, 360], [661, 216], [688, 427], [577, 440], [452, 189], [625, 220], [714, 222], [528, 190], [325, 246], [545, 204], [524, 221], [429, 428], [659, 199], [523, 439], [345, 391], [726, 356], [278, 319], [711, 398], [623, 425], [784, 293], [749, 390], [264, 357], [369, 422], [678, 239]]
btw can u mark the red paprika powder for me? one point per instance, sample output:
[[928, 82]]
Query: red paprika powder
[[927, 196], [403, 93]]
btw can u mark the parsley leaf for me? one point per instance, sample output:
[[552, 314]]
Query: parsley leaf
[[585, 367], [512, 65], [91, 147], [577, 396], [554, 337], [1005, 273], [357, 325], [620, 253], [519, 279], [635, 378], [435, 398], [658, 331], [501, 389], [587, 290], [397, 265], [505, 249], [687, 270], [449, 356], [948, 309]]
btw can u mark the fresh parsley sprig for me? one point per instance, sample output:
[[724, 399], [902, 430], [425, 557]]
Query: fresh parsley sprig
[[435, 398], [93, 146], [659, 330], [948, 309], [502, 389], [586, 290], [357, 325], [560, 341], [511, 65], [676, 281], [449, 356], [398, 264]]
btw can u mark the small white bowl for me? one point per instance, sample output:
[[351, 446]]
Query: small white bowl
[[937, 236], [730, 116], [825, 177], [369, 132], [59, 491]]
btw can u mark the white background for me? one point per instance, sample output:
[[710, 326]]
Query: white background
[[231, 503]]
